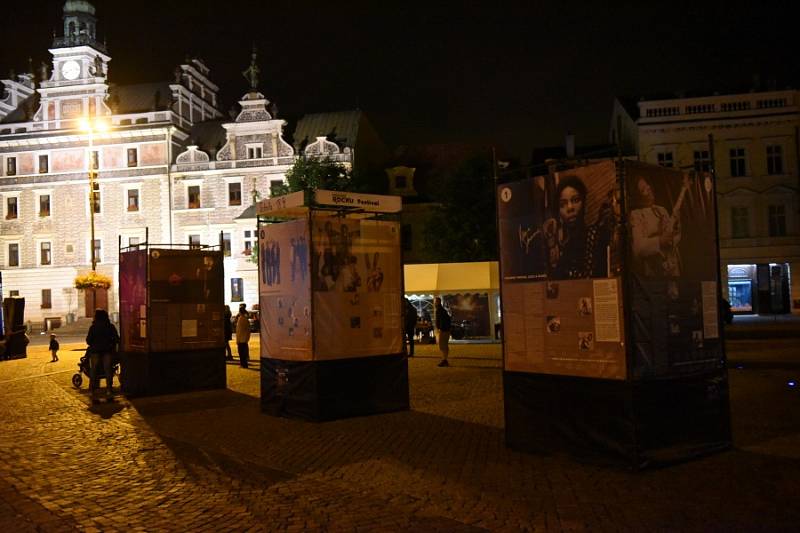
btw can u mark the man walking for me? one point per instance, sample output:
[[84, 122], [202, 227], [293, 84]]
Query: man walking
[[443, 325], [410, 324]]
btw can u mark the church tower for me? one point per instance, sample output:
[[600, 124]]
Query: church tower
[[77, 84]]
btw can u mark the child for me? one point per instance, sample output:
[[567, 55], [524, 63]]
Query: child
[[53, 348]]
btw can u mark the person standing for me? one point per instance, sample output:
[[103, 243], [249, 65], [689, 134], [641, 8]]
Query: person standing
[[53, 348], [243, 336], [410, 324], [443, 324], [102, 340], [227, 326]]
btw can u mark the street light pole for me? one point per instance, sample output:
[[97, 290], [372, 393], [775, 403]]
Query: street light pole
[[92, 172]]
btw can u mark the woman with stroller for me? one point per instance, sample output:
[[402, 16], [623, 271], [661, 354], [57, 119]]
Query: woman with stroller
[[102, 340]]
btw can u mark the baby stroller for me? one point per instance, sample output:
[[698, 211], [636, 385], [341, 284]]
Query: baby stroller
[[84, 368]]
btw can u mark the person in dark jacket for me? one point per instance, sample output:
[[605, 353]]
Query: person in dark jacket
[[53, 348], [102, 340], [410, 324], [443, 324], [227, 326]]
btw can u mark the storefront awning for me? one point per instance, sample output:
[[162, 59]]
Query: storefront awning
[[452, 277]]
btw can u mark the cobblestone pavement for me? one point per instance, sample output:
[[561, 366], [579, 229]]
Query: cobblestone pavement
[[211, 461]]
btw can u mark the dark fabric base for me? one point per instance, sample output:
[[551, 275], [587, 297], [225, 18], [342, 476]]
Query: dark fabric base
[[145, 374], [15, 346], [329, 390], [618, 423]]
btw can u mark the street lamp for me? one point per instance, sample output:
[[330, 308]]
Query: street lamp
[[91, 127]]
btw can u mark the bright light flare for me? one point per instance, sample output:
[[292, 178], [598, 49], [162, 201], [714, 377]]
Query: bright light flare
[[92, 126]]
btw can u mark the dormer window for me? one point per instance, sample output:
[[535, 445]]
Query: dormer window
[[255, 151]]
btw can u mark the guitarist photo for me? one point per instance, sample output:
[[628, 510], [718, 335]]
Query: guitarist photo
[[656, 233]]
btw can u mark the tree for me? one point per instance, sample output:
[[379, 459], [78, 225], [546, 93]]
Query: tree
[[309, 174], [463, 228]]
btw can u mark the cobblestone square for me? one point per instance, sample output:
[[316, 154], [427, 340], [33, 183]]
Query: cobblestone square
[[211, 461]]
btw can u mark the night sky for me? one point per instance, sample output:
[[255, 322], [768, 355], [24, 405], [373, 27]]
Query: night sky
[[487, 72]]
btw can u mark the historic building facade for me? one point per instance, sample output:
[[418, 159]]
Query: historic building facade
[[755, 155], [168, 169]]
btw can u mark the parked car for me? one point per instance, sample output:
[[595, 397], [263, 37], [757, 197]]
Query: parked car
[[255, 321]]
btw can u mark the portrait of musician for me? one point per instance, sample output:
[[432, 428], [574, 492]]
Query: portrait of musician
[[656, 233]]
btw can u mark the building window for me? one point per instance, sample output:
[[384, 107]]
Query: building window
[[235, 193], [194, 241], [665, 159], [13, 294], [69, 249], [255, 152], [777, 221], [44, 164], [249, 241], [738, 162], [44, 205], [45, 253], [132, 200], [11, 166], [98, 251], [226, 244], [740, 222], [13, 254], [275, 187], [47, 299], [237, 290], [400, 181], [12, 211], [133, 157], [96, 206], [774, 159], [702, 161], [193, 194], [133, 241], [94, 160]]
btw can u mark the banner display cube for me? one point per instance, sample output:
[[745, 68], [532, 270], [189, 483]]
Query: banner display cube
[[612, 345], [330, 292], [171, 319]]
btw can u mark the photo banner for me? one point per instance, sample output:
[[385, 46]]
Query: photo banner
[[285, 290], [560, 266], [357, 285], [133, 300], [673, 262]]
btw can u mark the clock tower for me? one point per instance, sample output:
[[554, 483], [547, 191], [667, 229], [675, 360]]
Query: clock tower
[[78, 84]]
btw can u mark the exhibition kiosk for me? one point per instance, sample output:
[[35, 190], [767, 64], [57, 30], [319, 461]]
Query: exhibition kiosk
[[330, 292], [171, 319], [612, 345]]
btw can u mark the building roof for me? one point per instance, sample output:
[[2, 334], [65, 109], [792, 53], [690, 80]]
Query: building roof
[[20, 114], [140, 97], [209, 136], [339, 126]]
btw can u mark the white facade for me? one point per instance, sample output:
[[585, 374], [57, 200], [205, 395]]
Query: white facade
[[153, 177], [755, 152]]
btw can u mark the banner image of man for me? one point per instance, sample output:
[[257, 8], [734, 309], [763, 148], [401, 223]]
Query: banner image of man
[[656, 233]]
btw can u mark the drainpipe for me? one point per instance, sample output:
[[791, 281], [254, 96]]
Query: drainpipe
[[169, 177]]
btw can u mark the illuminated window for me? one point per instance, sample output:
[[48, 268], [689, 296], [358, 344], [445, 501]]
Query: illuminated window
[[777, 221], [702, 161], [665, 159], [774, 159], [12, 208], [44, 205], [237, 290], [235, 193], [45, 253], [132, 199], [44, 164], [740, 222], [255, 151], [47, 299], [133, 157], [738, 159], [13, 254], [193, 195], [11, 166]]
